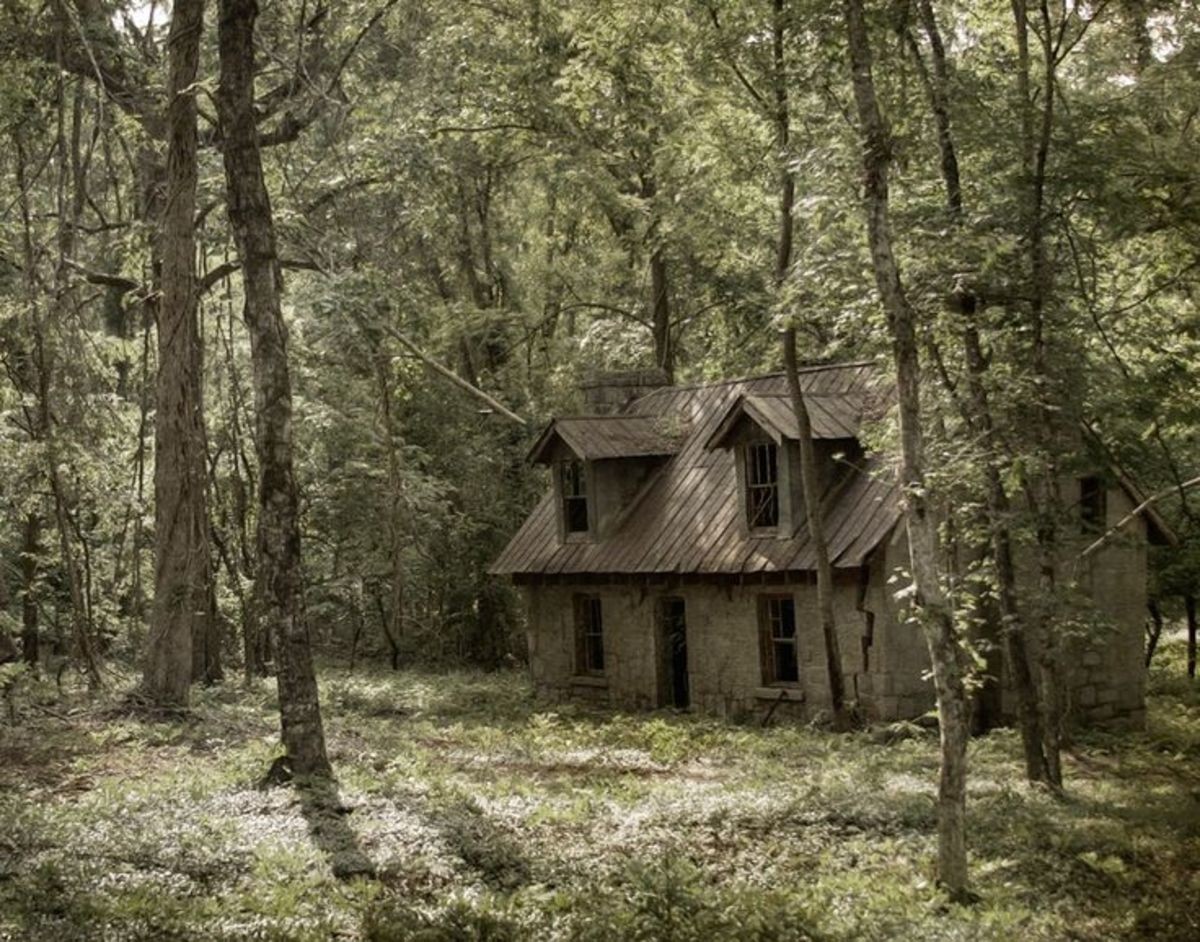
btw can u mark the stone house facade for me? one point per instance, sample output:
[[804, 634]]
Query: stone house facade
[[670, 563]]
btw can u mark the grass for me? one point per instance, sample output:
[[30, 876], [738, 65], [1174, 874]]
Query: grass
[[465, 810]]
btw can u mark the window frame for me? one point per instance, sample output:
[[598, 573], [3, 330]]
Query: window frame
[[752, 486], [770, 641], [1093, 504], [589, 635], [575, 472]]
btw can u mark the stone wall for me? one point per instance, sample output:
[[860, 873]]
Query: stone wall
[[724, 668], [1108, 677], [883, 654]]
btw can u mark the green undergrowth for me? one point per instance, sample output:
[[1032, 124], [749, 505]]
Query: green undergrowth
[[465, 810]]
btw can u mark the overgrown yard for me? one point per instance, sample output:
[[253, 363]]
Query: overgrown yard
[[468, 811]]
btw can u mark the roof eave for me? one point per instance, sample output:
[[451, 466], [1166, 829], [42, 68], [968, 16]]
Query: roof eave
[[739, 409]]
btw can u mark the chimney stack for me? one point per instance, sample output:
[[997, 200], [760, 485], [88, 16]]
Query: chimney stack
[[609, 392]]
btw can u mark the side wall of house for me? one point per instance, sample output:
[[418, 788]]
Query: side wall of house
[[1107, 661], [883, 661]]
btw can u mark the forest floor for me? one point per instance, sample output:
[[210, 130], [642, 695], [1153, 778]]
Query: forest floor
[[466, 810]]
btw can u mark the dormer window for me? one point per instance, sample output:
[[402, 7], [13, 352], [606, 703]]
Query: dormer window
[[573, 481], [762, 485]]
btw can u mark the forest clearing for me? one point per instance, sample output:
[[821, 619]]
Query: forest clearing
[[464, 810], [599, 469]]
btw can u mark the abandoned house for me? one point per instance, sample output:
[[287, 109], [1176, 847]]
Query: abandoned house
[[670, 563]]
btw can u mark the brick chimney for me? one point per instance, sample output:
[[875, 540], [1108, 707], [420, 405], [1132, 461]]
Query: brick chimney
[[608, 392]]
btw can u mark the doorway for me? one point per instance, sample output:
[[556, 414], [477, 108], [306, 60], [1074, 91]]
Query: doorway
[[673, 648]]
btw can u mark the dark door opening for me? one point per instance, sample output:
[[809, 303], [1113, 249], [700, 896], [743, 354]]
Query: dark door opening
[[674, 653]]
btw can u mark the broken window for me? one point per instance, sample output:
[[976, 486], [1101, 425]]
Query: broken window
[[762, 485], [1093, 504], [574, 497], [589, 635], [777, 637]]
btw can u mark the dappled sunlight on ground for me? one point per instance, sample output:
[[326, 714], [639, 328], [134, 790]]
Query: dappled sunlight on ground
[[462, 802]]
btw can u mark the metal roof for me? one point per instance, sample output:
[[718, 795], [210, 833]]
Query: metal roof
[[831, 416], [593, 437], [688, 518]]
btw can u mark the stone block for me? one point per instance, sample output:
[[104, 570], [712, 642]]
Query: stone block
[[1102, 713], [1106, 695], [1091, 659], [1086, 696]]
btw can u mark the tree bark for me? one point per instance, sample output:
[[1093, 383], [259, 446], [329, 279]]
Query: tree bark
[[1189, 606], [930, 602], [395, 493], [810, 484], [178, 646], [787, 179], [29, 605], [279, 574], [1044, 501], [1154, 630]]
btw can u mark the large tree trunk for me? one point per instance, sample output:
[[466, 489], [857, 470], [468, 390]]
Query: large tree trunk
[[279, 574], [810, 483], [1012, 628], [179, 619], [931, 605]]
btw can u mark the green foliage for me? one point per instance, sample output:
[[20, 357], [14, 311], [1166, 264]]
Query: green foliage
[[484, 816]]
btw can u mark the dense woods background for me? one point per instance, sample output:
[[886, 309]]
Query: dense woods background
[[528, 191], [286, 292]]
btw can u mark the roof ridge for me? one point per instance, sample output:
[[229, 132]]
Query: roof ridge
[[815, 368], [613, 415], [809, 395]]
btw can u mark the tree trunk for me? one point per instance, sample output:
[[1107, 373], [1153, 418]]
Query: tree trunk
[[29, 603], [660, 313], [929, 600], [1012, 628], [279, 574], [1189, 605], [178, 648], [787, 179], [395, 521], [1045, 501], [1154, 630], [810, 483]]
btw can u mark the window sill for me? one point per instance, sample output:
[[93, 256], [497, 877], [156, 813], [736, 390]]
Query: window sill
[[589, 680], [788, 694]]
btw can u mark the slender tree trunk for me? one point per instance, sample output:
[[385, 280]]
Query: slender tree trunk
[[177, 647], [279, 573], [1189, 605], [660, 313], [395, 522], [787, 179], [68, 219], [1012, 628], [30, 547], [1154, 631], [1045, 500], [930, 602], [810, 483]]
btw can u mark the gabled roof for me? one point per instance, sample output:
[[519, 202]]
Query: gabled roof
[[831, 416], [592, 437], [688, 517]]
